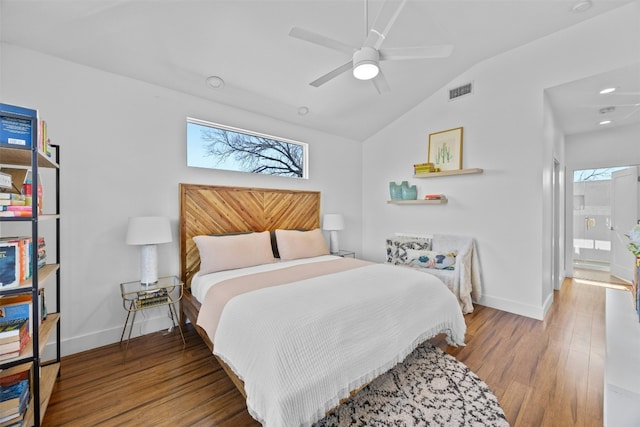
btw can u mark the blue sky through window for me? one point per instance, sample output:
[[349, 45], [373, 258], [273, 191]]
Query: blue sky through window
[[599, 174]]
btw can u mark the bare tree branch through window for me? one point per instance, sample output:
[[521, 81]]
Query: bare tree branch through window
[[229, 148]]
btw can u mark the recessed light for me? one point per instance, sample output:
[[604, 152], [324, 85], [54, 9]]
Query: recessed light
[[303, 111], [605, 122], [581, 6], [607, 90], [215, 82]]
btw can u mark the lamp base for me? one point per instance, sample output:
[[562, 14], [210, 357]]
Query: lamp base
[[333, 242], [149, 265]]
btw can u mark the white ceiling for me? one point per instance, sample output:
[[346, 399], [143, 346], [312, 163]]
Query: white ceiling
[[178, 44], [580, 107]]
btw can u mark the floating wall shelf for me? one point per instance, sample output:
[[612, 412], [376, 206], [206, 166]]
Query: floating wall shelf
[[418, 202], [448, 173]]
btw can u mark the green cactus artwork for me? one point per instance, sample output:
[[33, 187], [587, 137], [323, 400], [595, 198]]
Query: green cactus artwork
[[443, 154], [445, 149]]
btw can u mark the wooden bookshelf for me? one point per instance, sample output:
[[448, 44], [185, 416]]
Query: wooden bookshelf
[[48, 376], [448, 173], [44, 374], [22, 157]]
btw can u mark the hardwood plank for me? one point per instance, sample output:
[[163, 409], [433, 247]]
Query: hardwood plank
[[544, 373]]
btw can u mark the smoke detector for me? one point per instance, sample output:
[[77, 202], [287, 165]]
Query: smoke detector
[[581, 6]]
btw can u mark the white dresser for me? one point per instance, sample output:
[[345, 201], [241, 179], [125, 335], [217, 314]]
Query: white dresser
[[622, 361]]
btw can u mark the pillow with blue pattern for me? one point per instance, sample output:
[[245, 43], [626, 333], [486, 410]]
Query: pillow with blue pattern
[[441, 260]]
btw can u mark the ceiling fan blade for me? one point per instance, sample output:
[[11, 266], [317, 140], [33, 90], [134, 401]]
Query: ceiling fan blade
[[321, 40], [380, 83], [424, 52], [332, 74], [633, 111], [384, 21]]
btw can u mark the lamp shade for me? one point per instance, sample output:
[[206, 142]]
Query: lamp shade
[[333, 222], [148, 230]]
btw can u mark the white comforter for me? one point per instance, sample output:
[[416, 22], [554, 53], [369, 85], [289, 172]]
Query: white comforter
[[300, 349]]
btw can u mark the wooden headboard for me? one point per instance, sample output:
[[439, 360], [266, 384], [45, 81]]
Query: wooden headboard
[[208, 209]]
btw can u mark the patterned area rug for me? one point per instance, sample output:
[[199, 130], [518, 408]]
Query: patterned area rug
[[430, 388]]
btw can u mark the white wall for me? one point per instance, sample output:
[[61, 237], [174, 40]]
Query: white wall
[[508, 207], [606, 148], [123, 154]]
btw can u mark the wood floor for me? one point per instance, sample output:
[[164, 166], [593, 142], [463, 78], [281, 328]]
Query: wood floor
[[544, 373]]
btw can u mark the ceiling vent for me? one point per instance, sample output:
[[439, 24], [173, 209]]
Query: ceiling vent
[[460, 91]]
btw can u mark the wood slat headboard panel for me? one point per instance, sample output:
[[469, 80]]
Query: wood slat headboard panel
[[207, 209]]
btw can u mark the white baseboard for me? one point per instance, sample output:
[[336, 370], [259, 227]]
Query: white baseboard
[[144, 325], [514, 307]]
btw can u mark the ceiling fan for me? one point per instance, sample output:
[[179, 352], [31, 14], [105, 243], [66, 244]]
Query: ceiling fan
[[365, 59]]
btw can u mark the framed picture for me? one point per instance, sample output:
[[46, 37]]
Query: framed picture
[[445, 149]]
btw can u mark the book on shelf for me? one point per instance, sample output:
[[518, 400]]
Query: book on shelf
[[419, 168], [14, 208], [42, 305], [23, 263], [4, 196], [15, 347], [433, 196], [17, 408], [21, 257], [12, 330], [13, 202], [10, 383], [15, 392], [16, 132], [42, 136], [9, 264], [20, 307], [14, 374]]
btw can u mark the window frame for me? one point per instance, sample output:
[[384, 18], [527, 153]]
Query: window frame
[[213, 125]]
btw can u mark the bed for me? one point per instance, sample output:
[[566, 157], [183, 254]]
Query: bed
[[303, 332]]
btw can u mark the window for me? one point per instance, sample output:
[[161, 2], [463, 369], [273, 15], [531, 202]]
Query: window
[[214, 146], [602, 174]]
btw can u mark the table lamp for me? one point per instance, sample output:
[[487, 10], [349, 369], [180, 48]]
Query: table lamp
[[148, 231], [333, 223]]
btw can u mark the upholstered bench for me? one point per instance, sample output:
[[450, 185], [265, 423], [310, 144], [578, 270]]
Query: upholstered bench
[[453, 259]]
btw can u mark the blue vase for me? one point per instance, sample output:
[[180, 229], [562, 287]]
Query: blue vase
[[409, 192], [395, 191]]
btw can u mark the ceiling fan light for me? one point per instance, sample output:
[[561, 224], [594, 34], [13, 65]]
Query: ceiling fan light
[[365, 70]]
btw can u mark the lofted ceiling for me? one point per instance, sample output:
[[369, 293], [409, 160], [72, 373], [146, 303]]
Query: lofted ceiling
[[179, 44]]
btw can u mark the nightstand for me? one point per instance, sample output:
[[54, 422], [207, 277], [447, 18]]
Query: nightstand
[[346, 254], [137, 297]]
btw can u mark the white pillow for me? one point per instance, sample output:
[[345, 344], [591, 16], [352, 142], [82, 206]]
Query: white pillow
[[219, 253], [294, 244]]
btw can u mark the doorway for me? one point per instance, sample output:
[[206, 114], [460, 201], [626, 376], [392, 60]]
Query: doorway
[[601, 212]]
